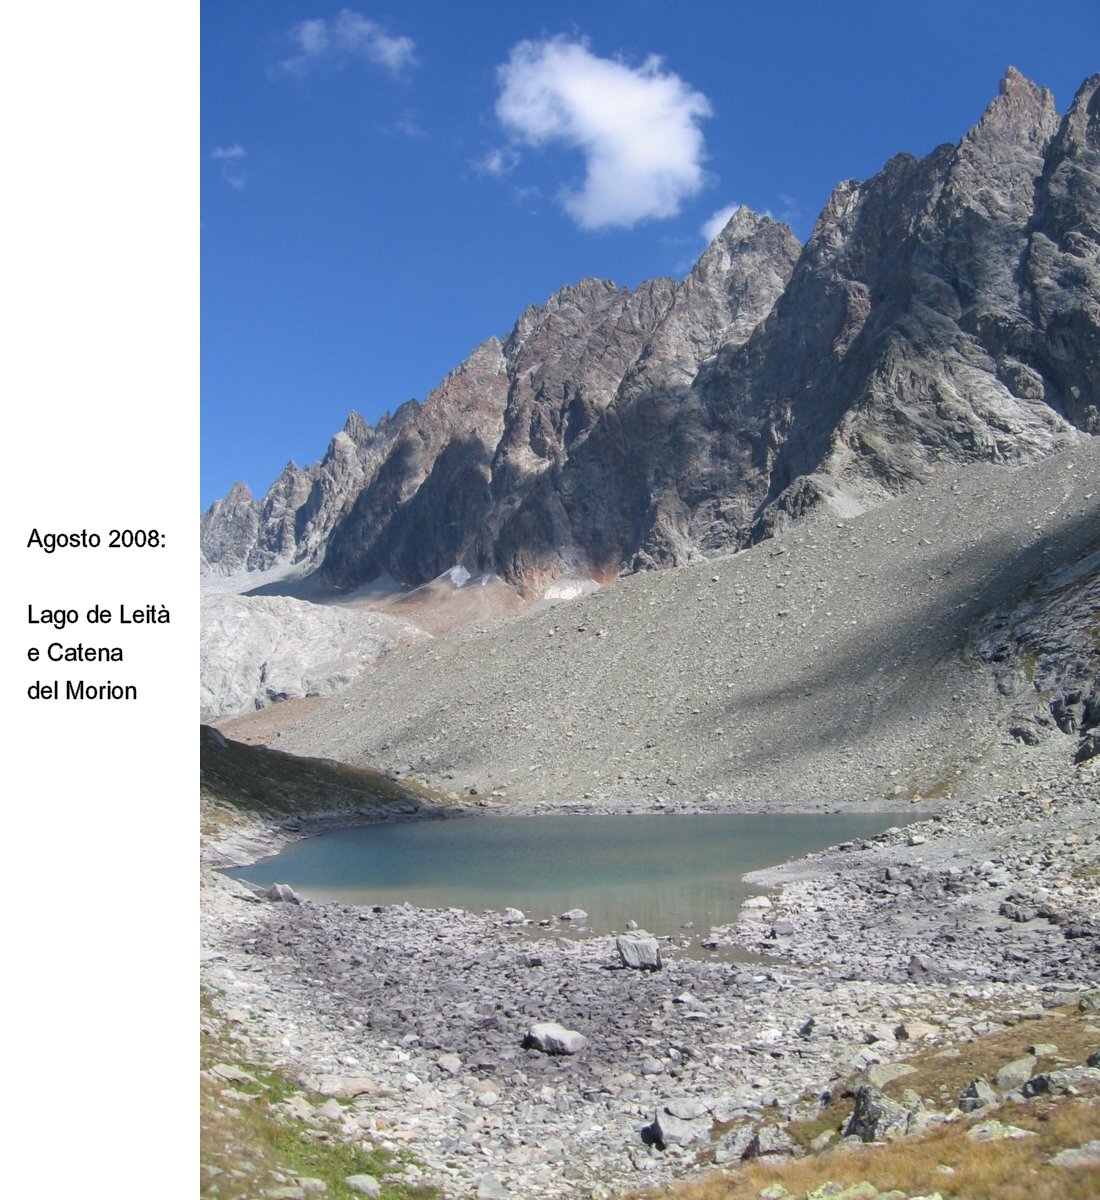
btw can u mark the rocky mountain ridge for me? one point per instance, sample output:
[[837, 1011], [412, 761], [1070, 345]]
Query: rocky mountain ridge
[[945, 311]]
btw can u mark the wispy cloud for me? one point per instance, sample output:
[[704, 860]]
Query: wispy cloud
[[406, 124], [637, 128], [231, 159], [497, 161], [347, 37]]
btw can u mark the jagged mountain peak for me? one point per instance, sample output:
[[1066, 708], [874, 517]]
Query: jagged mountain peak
[[1021, 110], [239, 492], [944, 311]]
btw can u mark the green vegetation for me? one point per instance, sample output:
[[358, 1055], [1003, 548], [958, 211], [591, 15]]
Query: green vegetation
[[240, 780], [253, 1142]]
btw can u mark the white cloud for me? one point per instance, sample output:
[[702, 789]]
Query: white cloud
[[713, 227], [312, 37], [498, 161], [408, 125], [367, 39], [637, 127], [232, 163], [347, 36]]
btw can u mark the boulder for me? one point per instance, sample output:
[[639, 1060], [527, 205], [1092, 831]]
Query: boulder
[[996, 1131], [773, 1143], [491, 1188], [639, 951], [912, 1031], [734, 1147], [575, 914], [1087, 1155], [552, 1038], [365, 1185], [1060, 1083], [680, 1123], [282, 892], [977, 1094], [877, 1118], [1015, 1074]]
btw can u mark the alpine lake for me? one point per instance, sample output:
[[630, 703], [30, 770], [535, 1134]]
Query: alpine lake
[[667, 873]]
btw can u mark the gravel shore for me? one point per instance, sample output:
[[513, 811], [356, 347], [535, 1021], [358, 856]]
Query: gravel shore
[[951, 925]]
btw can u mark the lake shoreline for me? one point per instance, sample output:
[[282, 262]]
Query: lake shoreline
[[672, 873], [853, 939]]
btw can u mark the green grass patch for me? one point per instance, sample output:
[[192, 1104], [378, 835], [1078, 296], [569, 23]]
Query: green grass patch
[[251, 1144]]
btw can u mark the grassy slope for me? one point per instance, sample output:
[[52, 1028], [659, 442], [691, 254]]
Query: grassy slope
[[239, 781]]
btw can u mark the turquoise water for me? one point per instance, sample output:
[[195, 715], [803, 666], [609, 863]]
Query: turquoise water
[[660, 871]]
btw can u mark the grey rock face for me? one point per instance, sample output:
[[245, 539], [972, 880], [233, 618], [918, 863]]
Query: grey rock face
[[904, 341], [944, 311], [491, 471], [228, 531], [295, 518]]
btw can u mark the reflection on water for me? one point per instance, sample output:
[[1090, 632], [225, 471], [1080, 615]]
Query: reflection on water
[[660, 871]]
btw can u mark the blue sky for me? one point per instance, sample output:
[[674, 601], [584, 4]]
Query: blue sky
[[382, 188]]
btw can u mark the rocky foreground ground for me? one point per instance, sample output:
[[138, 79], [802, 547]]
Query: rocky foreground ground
[[414, 1024], [937, 653]]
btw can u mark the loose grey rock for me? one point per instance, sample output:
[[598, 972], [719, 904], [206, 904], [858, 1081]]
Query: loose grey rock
[[977, 1094], [1015, 1074], [877, 1118], [1058, 1083], [365, 1185], [772, 1142], [552, 1038], [680, 1123], [995, 1131], [638, 952], [258, 650], [1087, 1155]]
